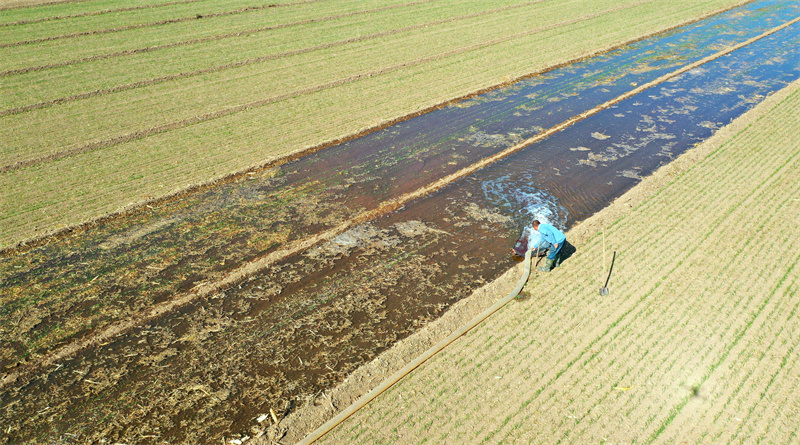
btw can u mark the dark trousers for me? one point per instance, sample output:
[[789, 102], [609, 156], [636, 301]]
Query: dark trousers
[[552, 252]]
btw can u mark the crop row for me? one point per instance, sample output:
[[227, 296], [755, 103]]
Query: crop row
[[105, 117], [700, 328], [40, 10], [40, 14]]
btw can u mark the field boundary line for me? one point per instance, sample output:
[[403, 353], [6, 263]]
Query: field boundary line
[[252, 61], [145, 25], [148, 49], [147, 132], [92, 13], [296, 247]]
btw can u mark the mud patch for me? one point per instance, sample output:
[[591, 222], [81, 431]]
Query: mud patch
[[135, 234], [365, 236]]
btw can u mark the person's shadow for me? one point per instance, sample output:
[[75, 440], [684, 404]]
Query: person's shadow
[[567, 251]]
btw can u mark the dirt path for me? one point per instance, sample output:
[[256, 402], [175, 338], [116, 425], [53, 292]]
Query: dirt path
[[696, 342]]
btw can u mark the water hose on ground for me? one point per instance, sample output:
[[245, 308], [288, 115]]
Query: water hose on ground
[[386, 384]]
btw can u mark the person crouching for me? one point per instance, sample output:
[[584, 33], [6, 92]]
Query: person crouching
[[552, 240]]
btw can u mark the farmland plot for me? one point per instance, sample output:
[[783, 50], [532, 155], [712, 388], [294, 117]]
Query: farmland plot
[[157, 340], [697, 341], [124, 271], [66, 126], [134, 142]]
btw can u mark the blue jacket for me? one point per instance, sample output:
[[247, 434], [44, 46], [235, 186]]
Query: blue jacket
[[551, 234]]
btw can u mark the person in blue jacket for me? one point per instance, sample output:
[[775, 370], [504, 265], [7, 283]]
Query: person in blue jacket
[[552, 240]]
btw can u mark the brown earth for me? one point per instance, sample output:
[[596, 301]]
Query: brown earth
[[697, 341]]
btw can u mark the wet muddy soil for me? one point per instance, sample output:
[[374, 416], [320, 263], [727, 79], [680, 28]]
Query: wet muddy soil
[[215, 366]]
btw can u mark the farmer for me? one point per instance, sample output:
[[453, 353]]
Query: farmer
[[552, 240]]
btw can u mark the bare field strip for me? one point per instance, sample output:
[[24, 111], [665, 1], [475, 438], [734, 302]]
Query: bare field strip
[[65, 127], [697, 341], [295, 124], [176, 63]]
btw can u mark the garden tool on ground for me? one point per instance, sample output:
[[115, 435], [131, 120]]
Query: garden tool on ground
[[604, 289]]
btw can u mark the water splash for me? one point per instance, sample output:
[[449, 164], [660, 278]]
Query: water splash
[[516, 195]]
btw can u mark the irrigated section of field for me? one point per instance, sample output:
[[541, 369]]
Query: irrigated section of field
[[104, 107], [257, 294], [696, 343]]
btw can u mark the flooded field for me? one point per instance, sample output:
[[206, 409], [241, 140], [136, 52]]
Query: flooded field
[[297, 325]]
